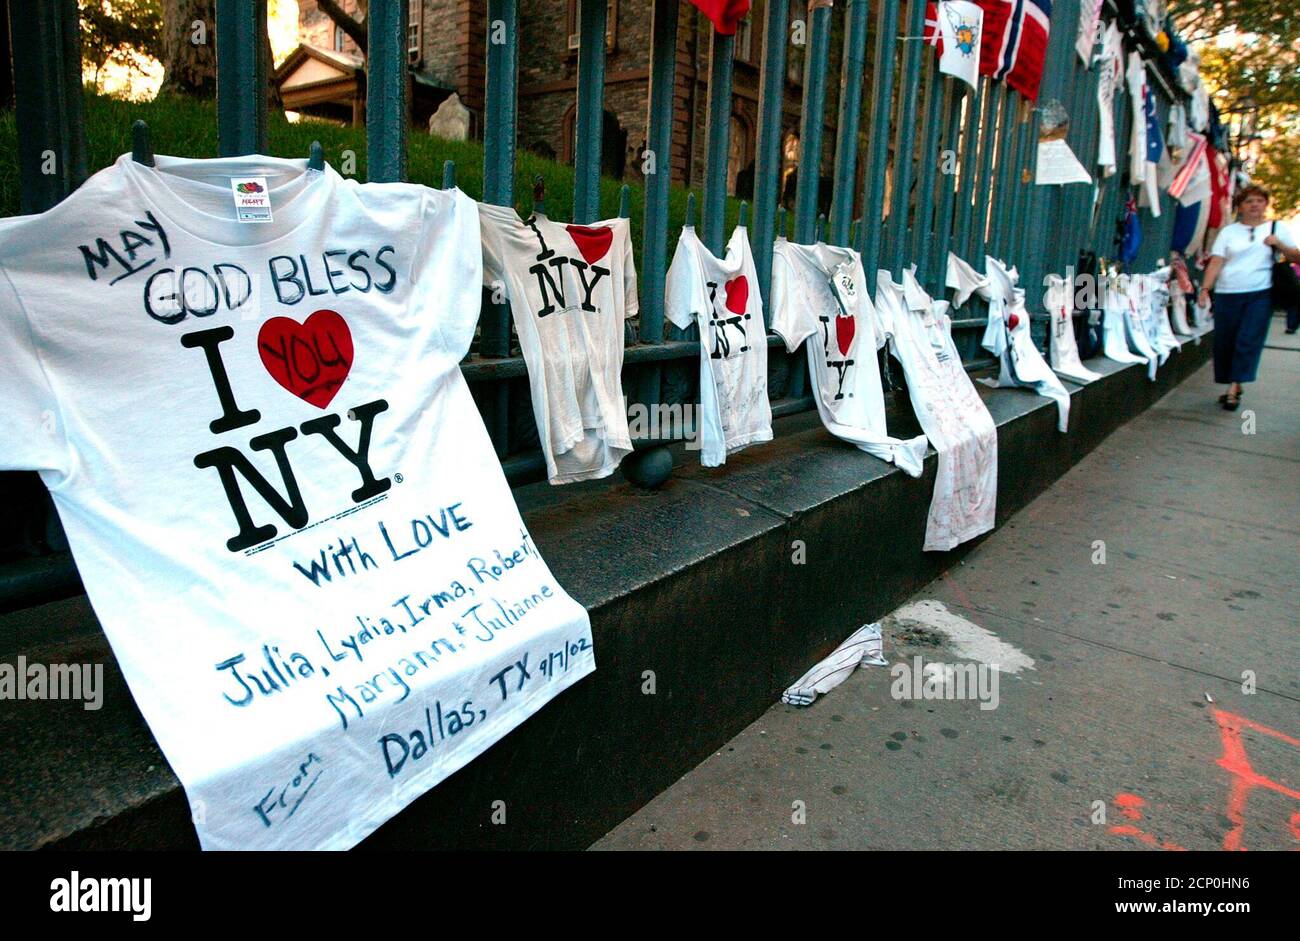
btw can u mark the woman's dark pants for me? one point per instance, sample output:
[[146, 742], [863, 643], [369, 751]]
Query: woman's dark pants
[[1240, 326]]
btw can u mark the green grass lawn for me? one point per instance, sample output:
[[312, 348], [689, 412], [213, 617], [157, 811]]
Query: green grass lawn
[[187, 128]]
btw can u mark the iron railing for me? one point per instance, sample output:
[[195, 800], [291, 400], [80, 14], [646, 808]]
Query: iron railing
[[941, 167]]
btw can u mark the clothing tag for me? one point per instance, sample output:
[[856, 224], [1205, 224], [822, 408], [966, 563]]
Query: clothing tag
[[252, 198]]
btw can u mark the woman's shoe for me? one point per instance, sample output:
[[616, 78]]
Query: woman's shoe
[[1230, 402]]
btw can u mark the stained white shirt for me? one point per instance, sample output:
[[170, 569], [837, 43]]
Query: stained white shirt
[[570, 289], [720, 296], [819, 295], [949, 409]]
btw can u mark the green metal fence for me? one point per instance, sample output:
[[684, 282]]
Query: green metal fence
[[942, 167]]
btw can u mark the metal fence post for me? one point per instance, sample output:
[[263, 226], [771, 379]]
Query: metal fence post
[[242, 76], [663, 75], [590, 114], [922, 236], [767, 160], [717, 141], [905, 146], [500, 117], [844, 192], [48, 103], [808, 185], [882, 97], [967, 191]]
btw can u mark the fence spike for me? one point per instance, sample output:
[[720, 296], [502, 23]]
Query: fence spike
[[316, 160], [449, 174], [853, 231], [744, 214], [780, 222], [821, 227], [690, 209], [141, 151], [624, 195]]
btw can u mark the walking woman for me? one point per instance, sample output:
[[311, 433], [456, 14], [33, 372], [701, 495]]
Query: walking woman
[[1240, 275]]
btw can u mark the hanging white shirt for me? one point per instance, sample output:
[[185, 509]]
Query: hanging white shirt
[[721, 296], [818, 291], [570, 288], [950, 412], [1010, 338], [1063, 351], [1114, 327], [963, 279], [1110, 72], [283, 503]]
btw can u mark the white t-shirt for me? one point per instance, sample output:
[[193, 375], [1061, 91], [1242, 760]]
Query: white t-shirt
[[949, 409], [277, 488], [820, 290], [963, 279], [721, 296], [1063, 351], [1247, 262], [570, 288], [1110, 70], [1008, 336]]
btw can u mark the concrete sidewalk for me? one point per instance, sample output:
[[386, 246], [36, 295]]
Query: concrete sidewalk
[[1129, 729]]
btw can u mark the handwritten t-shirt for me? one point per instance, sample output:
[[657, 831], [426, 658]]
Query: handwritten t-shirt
[[283, 503], [1008, 336], [570, 288], [949, 410], [819, 294], [721, 296]]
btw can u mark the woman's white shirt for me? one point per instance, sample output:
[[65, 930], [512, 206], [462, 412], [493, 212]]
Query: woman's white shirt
[[1247, 261]]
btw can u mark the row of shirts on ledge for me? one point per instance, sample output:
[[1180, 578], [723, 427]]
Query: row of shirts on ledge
[[570, 288]]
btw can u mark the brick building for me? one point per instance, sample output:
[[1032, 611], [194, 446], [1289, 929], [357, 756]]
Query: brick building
[[448, 45]]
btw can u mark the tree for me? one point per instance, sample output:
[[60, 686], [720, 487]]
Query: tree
[[127, 33], [189, 52], [356, 29], [1250, 54]]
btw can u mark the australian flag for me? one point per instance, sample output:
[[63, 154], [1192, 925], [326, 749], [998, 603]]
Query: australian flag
[[1014, 46]]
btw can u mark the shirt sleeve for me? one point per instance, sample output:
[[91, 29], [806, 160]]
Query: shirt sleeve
[[1220, 246], [449, 269], [1284, 235], [685, 296], [32, 433], [630, 298], [492, 220], [785, 311]]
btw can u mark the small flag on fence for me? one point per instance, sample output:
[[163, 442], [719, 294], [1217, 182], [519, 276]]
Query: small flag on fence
[[725, 14], [953, 27], [1014, 45], [1192, 181]]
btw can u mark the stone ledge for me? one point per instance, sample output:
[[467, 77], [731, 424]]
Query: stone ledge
[[693, 582]]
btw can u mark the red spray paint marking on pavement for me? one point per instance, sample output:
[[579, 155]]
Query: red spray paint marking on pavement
[[1244, 777], [1130, 805]]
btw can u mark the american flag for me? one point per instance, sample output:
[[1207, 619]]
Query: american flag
[[1014, 45]]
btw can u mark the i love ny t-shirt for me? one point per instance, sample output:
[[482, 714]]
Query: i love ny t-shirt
[[720, 296], [570, 289], [283, 503]]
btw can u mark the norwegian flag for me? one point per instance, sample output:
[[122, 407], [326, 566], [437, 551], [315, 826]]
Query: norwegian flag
[[1014, 45]]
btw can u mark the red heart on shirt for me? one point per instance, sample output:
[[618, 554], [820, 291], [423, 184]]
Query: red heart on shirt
[[592, 242], [845, 327], [737, 294], [310, 359], [1013, 321]]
